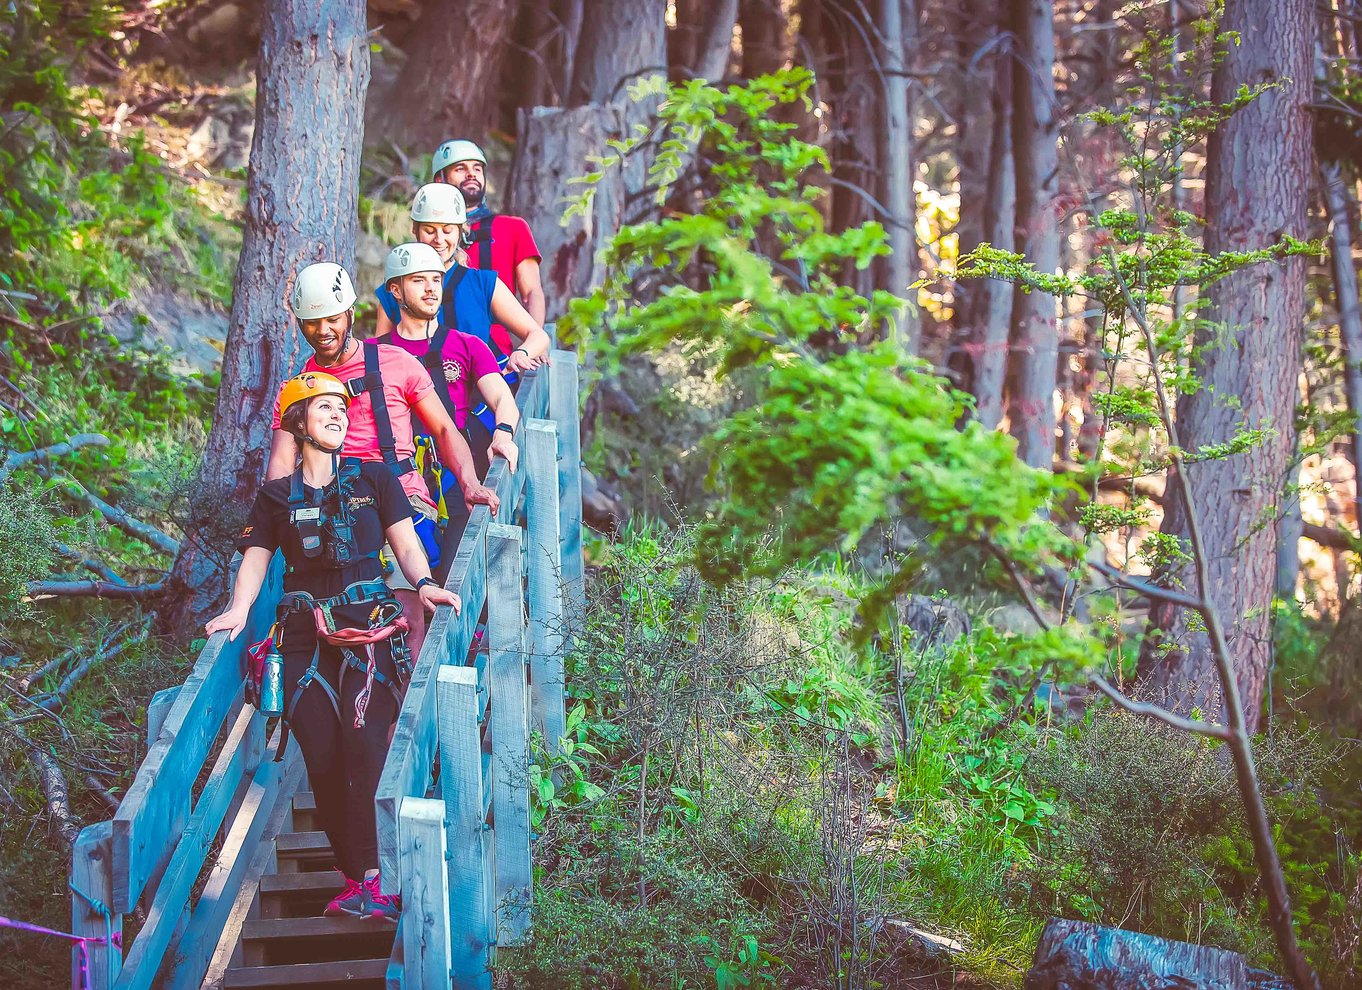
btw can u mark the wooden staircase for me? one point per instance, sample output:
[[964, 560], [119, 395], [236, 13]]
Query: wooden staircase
[[285, 941]]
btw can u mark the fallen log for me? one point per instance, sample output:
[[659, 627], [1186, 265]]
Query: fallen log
[[1078, 955]]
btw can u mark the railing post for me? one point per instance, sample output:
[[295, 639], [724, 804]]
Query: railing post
[[510, 732], [548, 637], [564, 411], [92, 876], [470, 896], [425, 895]]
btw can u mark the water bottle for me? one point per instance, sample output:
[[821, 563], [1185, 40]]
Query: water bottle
[[272, 684]]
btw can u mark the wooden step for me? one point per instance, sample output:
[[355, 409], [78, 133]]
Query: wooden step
[[269, 942], [365, 973], [309, 850], [304, 812], [292, 895]]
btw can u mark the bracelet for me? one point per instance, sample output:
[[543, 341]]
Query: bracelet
[[522, 351], [507, 428], [426, 581]]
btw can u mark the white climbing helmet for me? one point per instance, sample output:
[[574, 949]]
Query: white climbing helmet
[[321, 290], [438, 202], [408, 259], [452, 152]]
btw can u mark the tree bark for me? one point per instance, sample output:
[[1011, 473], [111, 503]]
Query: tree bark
[[1035, 147], [1248, 359], [765, 43], [989, 339], [898, 22], [1338, 201], [450, 81], [716, 42], [301, 207], [621, 41]]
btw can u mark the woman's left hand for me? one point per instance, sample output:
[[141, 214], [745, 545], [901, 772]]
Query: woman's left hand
[[433, 595]]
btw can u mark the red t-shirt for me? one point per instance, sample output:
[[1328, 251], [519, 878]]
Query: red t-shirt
[[512, 243], [405, 383], [466, 359]]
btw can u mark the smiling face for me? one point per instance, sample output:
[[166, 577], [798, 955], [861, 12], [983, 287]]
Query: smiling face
[[327, 420], [327, 337], [420, 293], [443, 237], [468, 176]]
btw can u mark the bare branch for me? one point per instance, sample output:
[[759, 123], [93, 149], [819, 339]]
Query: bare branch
[[1146, 589], [145, 532], [57, 699], [89, 563], [1334, 538], [1161, 714], [1024, 588], [94, 589], [28, 680], [19, 458], [55, 790], [96, 787]]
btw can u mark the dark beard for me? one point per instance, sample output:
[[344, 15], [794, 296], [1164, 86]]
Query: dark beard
[[473, 200]]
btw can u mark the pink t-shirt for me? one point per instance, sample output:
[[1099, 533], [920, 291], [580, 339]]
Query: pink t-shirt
[[466, 359], [405, 383]]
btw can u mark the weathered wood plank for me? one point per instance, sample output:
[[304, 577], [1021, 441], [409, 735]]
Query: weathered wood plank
[[1078, 955], [205, 951], [177, 883], [466, 837], [92, 874], [425, 901], [510, 733], [411, 756], [394, 977], [548, 623], [408, 768], [153, 813], [158, 708], [564, 411]]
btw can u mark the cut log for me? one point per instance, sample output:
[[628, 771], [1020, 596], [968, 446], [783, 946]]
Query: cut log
[[1078, 955]]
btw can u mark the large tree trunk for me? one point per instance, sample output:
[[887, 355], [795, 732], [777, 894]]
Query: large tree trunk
[[301, 206], [449, 84], [765, 36], [1338, 200], [898, 24], [621, 41], [1258, 175], [1035, 147]]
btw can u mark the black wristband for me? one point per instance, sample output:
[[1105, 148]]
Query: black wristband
[[522, 351], [426, 581], [506, 428]]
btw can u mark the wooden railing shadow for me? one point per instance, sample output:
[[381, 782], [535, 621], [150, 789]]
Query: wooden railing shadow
[[191, 838]]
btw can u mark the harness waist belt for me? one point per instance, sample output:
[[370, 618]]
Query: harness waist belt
[[355, 594]]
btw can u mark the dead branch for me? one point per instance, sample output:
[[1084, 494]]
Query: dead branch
[[89, 563], [1155, 712], [145, 532], [55, 790], [28, 680], [1334, 538], [97, 788], [19, 458], [95, 589], [57, 698], [1146, 589]]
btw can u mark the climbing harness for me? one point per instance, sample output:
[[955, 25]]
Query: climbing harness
[[364, 614]]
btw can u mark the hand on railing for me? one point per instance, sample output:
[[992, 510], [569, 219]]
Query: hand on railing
[[433, 595]]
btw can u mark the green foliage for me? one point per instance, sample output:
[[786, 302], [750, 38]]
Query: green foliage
[[738, 962], [837, 434], [26, 534]]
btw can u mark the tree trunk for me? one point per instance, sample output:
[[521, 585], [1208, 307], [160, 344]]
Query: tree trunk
[[1338, 200], [1035, 147], [765, 45], [1248, 359], [898, 22], [621, 41], [301, 207], [716, 42], [449, 84], [993, 310]]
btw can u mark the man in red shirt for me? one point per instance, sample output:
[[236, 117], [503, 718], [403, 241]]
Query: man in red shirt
[[323, 302], [513, 254]]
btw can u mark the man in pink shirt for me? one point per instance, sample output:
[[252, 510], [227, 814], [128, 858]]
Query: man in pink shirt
[[388, 385]]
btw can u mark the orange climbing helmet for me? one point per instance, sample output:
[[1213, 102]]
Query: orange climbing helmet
[[309, 385]]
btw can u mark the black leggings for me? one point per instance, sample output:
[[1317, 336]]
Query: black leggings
[[343, 763]]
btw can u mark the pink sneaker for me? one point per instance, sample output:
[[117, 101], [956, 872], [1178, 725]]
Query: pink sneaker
[[348, 901], [378, 904]]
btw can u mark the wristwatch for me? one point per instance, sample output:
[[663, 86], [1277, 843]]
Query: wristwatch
[[506, 428], [426, 581]]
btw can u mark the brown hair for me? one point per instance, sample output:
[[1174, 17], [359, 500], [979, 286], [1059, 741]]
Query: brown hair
[[294, 419]]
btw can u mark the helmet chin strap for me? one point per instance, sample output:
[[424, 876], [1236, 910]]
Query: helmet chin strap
[[333, 451]]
